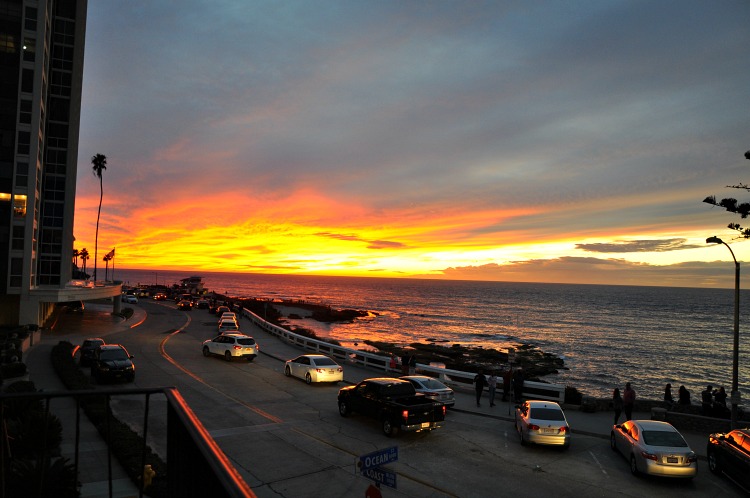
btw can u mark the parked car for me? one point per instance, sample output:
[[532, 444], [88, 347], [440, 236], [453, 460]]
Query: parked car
[[655, 448], [227, 316], [394, 403], [160, 296], [542, 422], [730, 454], [74, 306], [228, 326], [185, 305], [231, 346], [112, 362], [129, 298], [314, 368], [432, 388], [87, 350]]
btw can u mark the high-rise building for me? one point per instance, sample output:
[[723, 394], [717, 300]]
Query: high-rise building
[[41, 73]]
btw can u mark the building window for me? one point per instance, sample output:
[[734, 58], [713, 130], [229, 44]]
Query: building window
[[49, 270], [29, 49], [19, 204], [16, 272], [24, 142], [30, 19], [18, 237], [22, 174], [27, 81], [24, 115]]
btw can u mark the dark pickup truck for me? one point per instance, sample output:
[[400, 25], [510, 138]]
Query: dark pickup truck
[[394, 402]]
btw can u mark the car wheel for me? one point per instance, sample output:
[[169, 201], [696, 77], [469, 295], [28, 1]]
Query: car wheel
[[612, 442], [308, 378], [344, 409], [388, 428], [206, 352], [713, 462], [250, 358], [633, 466], [288, 371], [520, 435], [227, 356]]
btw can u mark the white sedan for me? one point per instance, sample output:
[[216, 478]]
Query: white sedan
[[542, 422], [314, 368]]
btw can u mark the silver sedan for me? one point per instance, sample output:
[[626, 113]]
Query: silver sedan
[[654, 448], [432, 388], [542, 422], [314, 368]]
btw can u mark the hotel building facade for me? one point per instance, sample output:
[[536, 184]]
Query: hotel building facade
[[41, 75]]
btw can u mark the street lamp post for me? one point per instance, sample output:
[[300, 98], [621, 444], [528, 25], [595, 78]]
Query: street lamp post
[[735, 396]]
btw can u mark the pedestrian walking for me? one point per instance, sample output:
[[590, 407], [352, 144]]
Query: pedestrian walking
[[492, 386], [479, 382], [707, 401], [683, 396], [628, 400], [405, 364], [507, 374], [412, 364], [668, 400], [617, 404]]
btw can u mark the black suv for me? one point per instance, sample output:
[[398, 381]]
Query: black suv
[[112, 362], [87, 350], [730, 454]]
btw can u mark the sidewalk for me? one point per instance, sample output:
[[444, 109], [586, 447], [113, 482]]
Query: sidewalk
[[97, 321]]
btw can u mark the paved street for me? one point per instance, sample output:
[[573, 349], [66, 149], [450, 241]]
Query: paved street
[[288, 439]]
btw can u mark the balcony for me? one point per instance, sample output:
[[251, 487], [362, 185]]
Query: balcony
[[194, 466]]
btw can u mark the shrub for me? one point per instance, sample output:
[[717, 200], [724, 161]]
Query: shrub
[[11, 370], [125, 443], [49, 478]]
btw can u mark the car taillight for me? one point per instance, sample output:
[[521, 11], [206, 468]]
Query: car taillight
[[320, 370], [445, 408], [236, 347], [533, 427], [564, 429], [340, 369], [692, 458], [649, 456], [405, 415]]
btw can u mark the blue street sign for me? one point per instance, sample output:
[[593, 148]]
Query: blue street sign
[[381, 475], [378, 458]]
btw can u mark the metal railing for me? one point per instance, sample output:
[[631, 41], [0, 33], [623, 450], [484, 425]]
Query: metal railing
[[196, 466]]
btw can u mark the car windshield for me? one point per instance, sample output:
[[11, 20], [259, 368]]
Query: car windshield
[[433, 384], [113, 354], [92, 344], [546, 414], [324, 362], [246, 341], [663, 438]]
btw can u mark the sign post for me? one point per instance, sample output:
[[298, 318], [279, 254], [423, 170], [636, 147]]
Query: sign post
[[370, 466]]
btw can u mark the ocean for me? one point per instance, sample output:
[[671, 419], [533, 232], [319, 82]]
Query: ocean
[[607, 335]]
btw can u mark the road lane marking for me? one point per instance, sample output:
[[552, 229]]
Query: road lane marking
[[597, 462]]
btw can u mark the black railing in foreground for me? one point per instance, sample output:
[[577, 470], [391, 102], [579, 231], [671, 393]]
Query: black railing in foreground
[[196, 466]]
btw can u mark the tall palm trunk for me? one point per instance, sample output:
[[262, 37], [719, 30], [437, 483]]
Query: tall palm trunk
[[99, 164]]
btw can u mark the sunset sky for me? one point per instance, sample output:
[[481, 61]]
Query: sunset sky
[[513, 140]]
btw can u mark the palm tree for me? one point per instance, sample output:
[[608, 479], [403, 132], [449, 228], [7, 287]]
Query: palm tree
[[75, 256], [98, 164], [84, 255], [107, 258]]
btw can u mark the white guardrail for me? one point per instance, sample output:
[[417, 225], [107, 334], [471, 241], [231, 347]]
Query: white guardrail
[[452, 378]]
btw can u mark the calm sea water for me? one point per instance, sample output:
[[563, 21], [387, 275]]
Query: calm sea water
[[608, 335]]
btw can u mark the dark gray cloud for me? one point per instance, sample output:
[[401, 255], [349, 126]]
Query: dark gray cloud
[[628, 246]]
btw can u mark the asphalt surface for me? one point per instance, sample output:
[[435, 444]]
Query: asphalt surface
[[93, 451]]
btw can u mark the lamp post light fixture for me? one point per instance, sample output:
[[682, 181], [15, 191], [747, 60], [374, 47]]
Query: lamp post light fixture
[[735, 395]]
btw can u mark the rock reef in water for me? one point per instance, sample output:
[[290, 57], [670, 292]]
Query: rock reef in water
[[534, 361]]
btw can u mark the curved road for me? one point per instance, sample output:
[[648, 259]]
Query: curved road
[[287, 439]]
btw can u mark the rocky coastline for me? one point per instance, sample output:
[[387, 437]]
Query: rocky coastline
[[536, 363]]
